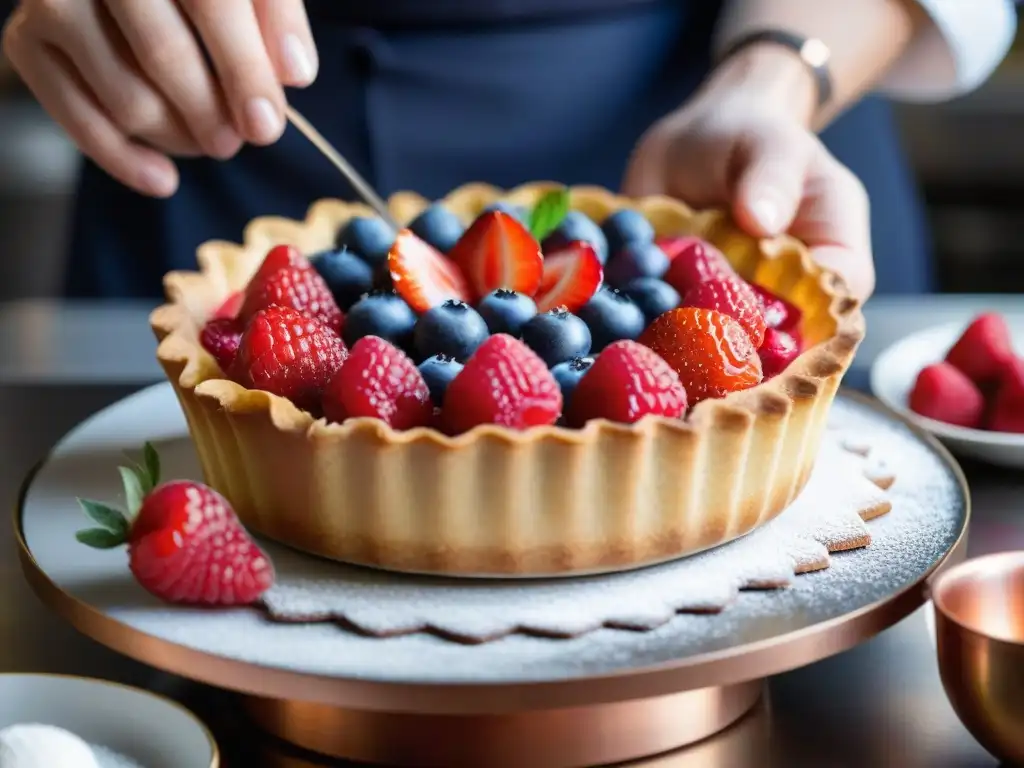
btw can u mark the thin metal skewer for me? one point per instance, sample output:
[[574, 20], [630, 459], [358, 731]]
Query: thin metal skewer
[[359, 184]]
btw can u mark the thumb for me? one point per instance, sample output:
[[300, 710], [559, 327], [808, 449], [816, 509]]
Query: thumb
[[772, 168]]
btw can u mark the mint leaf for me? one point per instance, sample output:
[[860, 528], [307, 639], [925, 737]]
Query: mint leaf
[[99, 538], [548, 213], [151, 461], [111, 519], [134, 491]]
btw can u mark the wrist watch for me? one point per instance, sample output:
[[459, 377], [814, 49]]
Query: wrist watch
[[812, 52]]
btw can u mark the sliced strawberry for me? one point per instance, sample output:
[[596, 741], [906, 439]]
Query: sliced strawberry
[[422, 275], [572, 275], [499, 252]]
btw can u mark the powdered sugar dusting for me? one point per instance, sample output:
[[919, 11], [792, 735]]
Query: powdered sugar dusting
[[928, 516], [827, 516]]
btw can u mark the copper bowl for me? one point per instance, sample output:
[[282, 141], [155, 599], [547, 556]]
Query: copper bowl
[[979, 629]]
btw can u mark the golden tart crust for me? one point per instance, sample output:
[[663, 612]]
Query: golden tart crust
[[492, 501]]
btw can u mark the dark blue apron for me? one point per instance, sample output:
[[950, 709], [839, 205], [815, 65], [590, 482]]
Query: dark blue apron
[[530, 89]]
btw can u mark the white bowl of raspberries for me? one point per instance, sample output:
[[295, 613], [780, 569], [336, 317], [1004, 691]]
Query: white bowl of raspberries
[[965, 385]]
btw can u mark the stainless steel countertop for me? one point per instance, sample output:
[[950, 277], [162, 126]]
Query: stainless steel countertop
[[880, 704]]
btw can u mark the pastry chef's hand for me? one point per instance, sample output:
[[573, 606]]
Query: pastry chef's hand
[[744, 142], [134, 82]]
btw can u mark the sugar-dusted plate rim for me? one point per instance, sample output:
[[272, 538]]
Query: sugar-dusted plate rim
[[621, 665]]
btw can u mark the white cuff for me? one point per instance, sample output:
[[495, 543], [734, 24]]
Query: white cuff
[[955, 54]]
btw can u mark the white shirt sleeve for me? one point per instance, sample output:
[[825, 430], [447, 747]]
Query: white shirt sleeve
[[954, 55]]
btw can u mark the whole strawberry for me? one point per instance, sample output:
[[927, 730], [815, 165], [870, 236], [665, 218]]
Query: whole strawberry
[[627, 382], [504, 383], [290, 354], [733, 297], [943, 393], [1007, 412], [694, 262], [185, 543], [379, 381], [984, 350], [287, 279]]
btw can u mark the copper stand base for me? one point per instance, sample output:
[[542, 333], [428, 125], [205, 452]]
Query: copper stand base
[[556, 738]]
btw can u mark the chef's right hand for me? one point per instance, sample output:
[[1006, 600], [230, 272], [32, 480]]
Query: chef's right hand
[[135, 82]]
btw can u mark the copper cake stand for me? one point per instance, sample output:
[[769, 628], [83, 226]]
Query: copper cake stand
[[640, 702]]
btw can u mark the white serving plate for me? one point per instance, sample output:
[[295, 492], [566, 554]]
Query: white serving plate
[[149, 729], [892, 378]]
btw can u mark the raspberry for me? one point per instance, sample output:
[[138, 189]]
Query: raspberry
[[504, 383], [627, 382], [379, 381], [221, 337]]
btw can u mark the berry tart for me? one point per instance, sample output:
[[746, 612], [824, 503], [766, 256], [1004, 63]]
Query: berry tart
[[532, 382]]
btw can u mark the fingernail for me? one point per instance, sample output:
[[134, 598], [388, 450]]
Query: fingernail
[[768, 214], [225, 142], [299, 66], [263, 120], [158, 180]]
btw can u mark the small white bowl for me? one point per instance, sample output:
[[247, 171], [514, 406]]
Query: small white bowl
[[892, 378], [149, 729]]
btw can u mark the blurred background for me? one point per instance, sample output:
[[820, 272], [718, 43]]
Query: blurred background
[[969, 156]]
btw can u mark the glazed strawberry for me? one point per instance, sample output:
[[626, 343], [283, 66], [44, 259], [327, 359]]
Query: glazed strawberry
[[778, 313], [710, 351], [221, 337], [572, 275], [984, 350], [380, 382], [695, 263], [231, 306], [627, 382], [503, 383], [1007, 412], [777, 351], [422, 275], [290, 354], [287, 279], [733, 297], [185, 543], [943, 393], [499, 252]]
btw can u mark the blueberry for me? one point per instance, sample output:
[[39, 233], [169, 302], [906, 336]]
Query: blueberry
[[557, 336], [611, 316], [654, 297], [438, 371], [348, 276], [624, 227], [381, 313], [577, 226], [633, 261], [370, 238], [439, 227], [517, 212], [454, 329], [506, 311], [568, 375]]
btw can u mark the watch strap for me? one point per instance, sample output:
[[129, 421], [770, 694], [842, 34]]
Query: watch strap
[[812, 52]]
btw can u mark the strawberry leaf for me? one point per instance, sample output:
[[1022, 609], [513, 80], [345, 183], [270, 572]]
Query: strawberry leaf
[[151, 460], [111, 519], [134, 490], [99, 538], [548, 213]]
